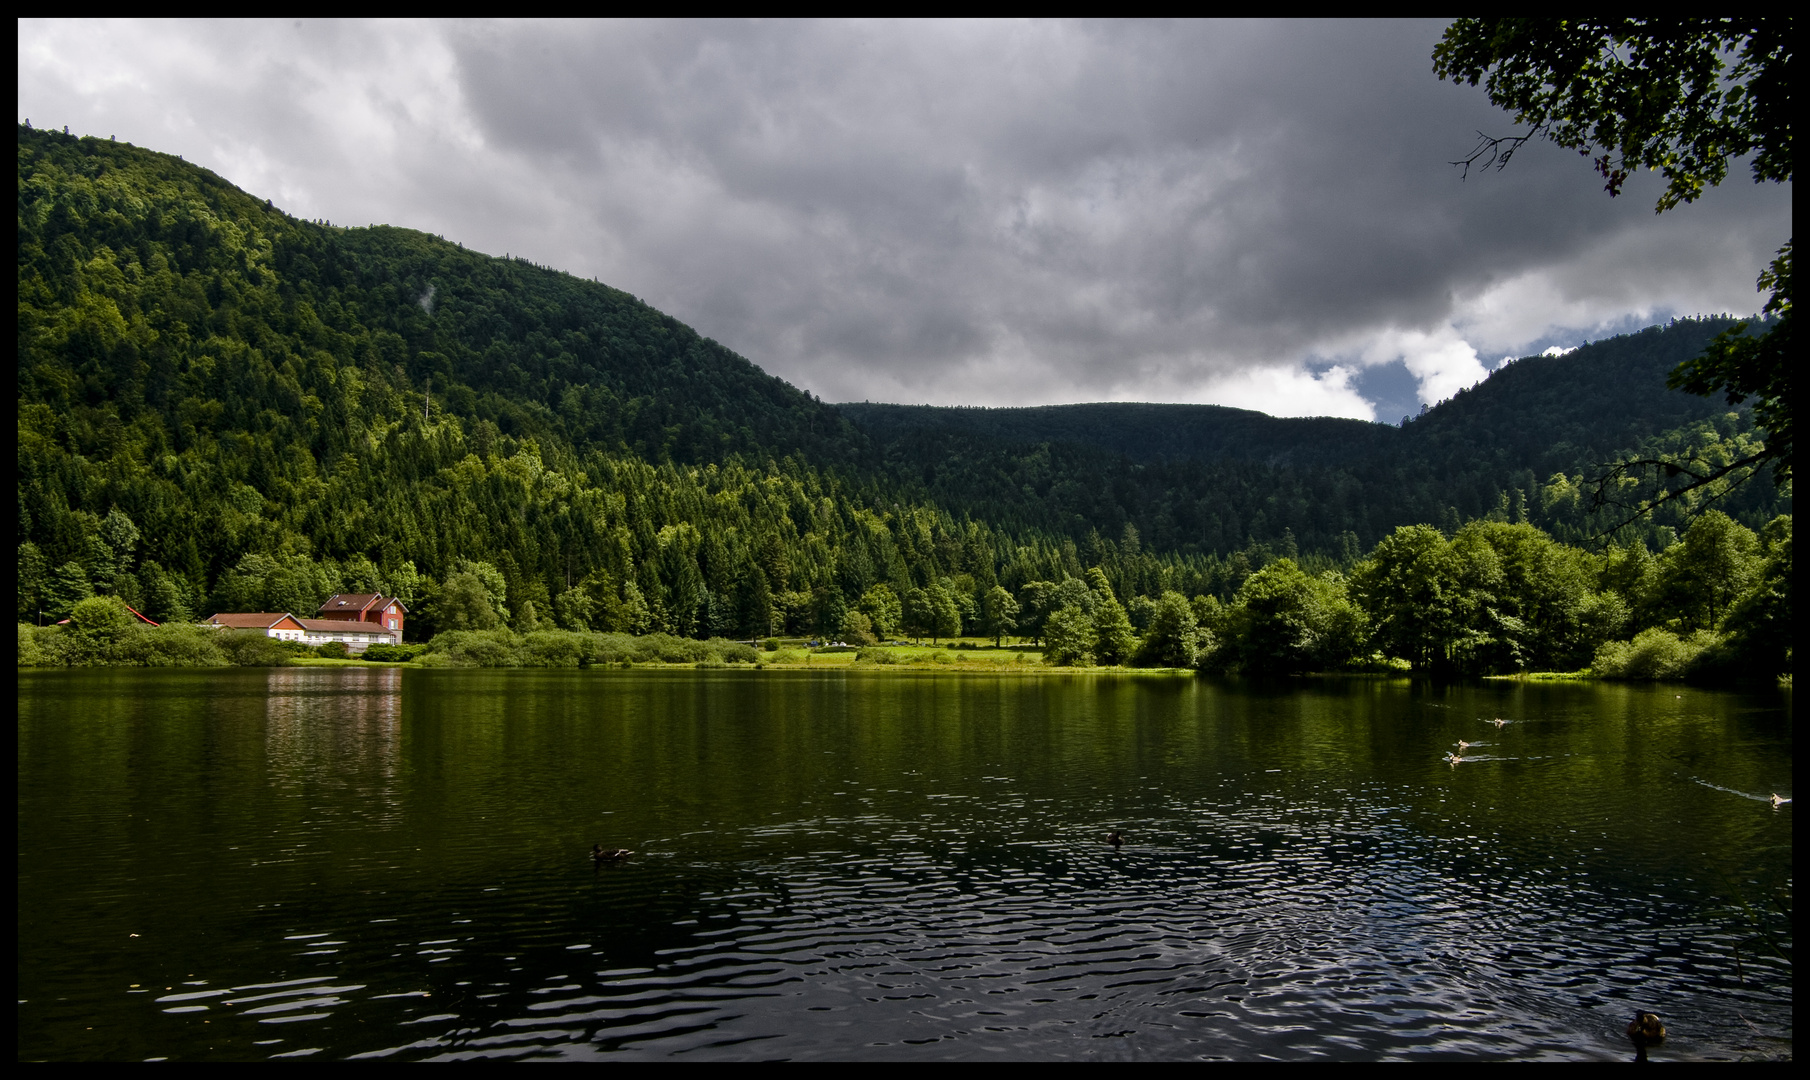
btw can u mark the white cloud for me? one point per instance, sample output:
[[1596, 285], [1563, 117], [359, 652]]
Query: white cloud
[[1282, 391]]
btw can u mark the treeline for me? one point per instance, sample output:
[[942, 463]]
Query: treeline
[[1493, 598]]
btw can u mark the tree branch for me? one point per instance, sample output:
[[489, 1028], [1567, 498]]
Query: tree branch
[[1603, 497], [1491, 151]]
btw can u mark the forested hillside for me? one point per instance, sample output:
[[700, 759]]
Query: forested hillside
[[1524, 445], [222, 406]]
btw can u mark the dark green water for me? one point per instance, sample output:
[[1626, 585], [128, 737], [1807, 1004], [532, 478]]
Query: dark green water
[[338, 862]]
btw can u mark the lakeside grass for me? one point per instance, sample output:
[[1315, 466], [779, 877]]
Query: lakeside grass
[[962, 654]]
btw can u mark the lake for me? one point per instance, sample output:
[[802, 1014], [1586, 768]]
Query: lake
[[360, 862]]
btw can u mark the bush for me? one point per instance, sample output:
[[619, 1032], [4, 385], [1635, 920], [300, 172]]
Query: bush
[[251, 648], [393, 654], [771, 644], [876, 656], [472, 648], [1652, 654], [38, 646], [169, 645], [333, 650], [733, 652]]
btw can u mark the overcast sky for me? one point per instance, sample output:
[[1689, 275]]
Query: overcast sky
[[1249, 214]]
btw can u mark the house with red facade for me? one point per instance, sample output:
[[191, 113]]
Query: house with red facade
[[383, 612], [360, 620]]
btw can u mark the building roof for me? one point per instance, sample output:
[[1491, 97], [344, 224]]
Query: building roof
[[254, 620], [345, 603], [342, 626]]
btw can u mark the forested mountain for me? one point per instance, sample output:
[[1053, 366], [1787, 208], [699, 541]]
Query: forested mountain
[[1523, 445], [221, 407]]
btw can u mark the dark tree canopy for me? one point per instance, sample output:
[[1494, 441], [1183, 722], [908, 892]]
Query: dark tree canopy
[[1647, 93]]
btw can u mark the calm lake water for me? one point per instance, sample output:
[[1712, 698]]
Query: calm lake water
[[384, 863]]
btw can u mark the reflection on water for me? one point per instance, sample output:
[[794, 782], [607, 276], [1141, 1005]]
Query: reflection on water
[[388, 863]]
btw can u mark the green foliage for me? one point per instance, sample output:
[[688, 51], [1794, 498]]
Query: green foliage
[[858, 629], [1174, 637], [1699, 579], [333, 650], [999, 614], [1652, 654], [1068, 637], [1739, 366], [392, 654], [1114, 639], [883, 610], [1654, 93], [38, 646], [565, 648], [251, 648], [1285, 620]]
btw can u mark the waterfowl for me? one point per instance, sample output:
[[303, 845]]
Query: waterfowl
[[1453, 759], [1646, 1030], [1778, 800], [1499, 722], [1115, 840], [598, 854], [1463, 746]]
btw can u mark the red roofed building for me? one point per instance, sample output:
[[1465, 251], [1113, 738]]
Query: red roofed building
[[277, 624], [382, 612]]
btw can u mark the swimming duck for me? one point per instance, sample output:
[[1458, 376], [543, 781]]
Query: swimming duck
[[598, 854], [1499, 722], [1463, 746], [1778, 800], [1646, 1030], [1115, 840], [1453, 759]]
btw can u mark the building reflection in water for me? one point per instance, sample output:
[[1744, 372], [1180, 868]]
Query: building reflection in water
[[338, 730]]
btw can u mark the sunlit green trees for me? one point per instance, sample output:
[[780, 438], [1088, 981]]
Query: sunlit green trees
[[1068, 637], [999, 614], [1174, 638], [1283, 619]]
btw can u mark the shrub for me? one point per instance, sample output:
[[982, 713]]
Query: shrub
[[472, 648], [555, 648], [251, 648], [333, 650], [876, 656], [393, 654], [169, 645], [38, 646], [1652, 654], [733, 652]]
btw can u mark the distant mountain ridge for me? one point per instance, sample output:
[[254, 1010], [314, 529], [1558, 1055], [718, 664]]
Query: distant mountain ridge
[[1522, 444], [1142, 432], [1562, 397]]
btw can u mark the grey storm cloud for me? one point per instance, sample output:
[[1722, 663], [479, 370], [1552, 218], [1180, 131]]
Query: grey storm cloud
[[987, 213]]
